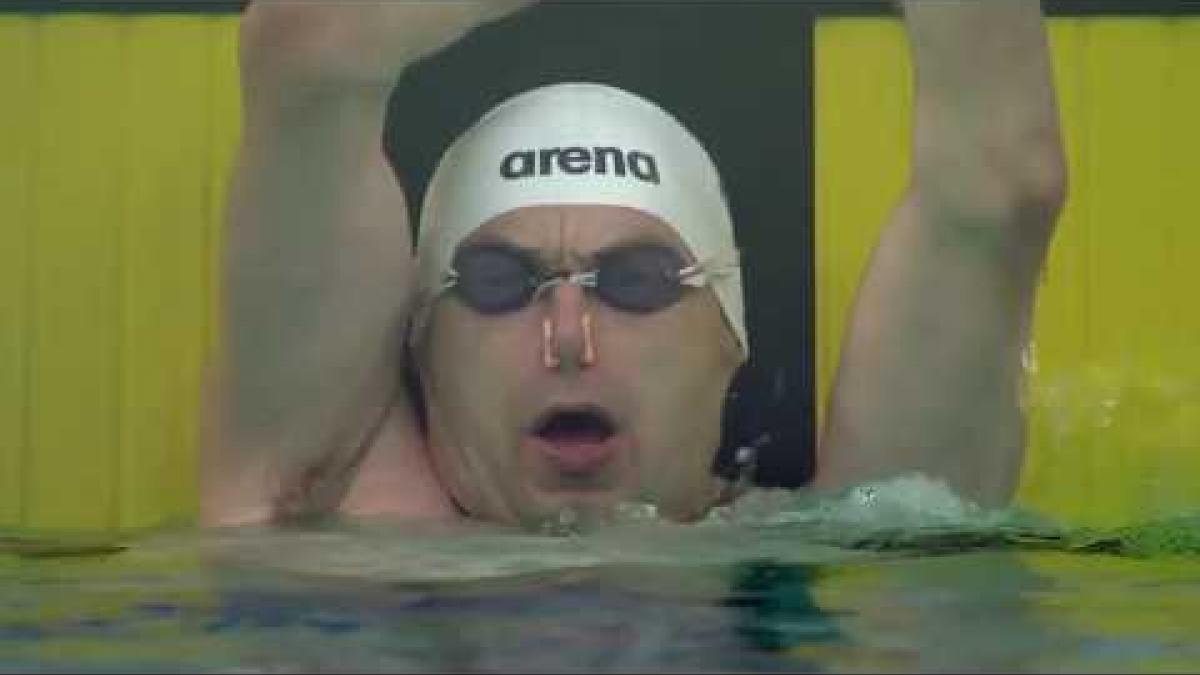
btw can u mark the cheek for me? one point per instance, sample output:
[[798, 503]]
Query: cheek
[[679, 367], [475, 362], [470, 374], [677, 355]]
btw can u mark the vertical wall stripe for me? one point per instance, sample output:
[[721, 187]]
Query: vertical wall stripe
[[180, 81], [165, 86], [73, 427], [16, 215], [1114, 393], [862, 118]]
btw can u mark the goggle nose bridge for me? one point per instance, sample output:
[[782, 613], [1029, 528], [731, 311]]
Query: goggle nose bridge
[[582, 279]]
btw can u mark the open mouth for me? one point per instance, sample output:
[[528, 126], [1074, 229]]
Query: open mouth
[[579, 425], [576, 439]]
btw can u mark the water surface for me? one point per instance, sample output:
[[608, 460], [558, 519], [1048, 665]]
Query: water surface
[[896, 577]]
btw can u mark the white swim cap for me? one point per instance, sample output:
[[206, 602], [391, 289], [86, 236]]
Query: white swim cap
[[580, 144]]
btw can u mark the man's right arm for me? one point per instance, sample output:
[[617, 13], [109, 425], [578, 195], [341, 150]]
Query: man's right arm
[[318, 268]]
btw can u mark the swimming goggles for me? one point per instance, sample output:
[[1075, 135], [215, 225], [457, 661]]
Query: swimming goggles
[[494, 278]]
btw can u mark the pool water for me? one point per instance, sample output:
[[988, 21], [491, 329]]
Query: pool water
[[924, 584]]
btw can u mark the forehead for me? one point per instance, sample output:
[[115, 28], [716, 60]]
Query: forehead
[[580, 229]]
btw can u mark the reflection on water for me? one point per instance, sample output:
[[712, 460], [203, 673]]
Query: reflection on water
[[775, 607], [782, 584]]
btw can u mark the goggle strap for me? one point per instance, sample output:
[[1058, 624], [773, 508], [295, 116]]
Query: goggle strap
[[700, 274], [694, 276]]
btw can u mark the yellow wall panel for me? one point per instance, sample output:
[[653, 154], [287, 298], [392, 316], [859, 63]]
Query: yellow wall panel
[[16, 216], [125, 131], [1114, 389], [1115, 409]]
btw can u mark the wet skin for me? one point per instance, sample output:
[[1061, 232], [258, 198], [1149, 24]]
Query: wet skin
[[569, 403]]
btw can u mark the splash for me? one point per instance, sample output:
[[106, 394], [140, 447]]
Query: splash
[[570, 521], [907, 512], [911, 513]]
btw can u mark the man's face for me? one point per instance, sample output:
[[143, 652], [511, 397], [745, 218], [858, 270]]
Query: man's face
[[567, 402]]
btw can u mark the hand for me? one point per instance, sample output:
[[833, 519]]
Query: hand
[[362, 42]]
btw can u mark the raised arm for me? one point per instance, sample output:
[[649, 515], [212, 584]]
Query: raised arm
[[931, 370], [317, 263]]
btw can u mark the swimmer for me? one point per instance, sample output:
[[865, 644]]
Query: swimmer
[[573, 310]]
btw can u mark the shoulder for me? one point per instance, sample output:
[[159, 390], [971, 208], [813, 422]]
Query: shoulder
[[397, 477]]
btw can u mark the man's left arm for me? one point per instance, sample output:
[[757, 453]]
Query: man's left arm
[[931, 371]]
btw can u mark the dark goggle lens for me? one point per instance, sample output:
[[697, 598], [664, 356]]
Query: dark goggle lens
[[642, 279], [494, 280]]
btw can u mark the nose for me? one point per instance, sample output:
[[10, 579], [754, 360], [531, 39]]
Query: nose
[[567, 341]]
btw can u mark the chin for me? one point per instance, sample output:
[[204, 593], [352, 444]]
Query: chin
[[591, 502]]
